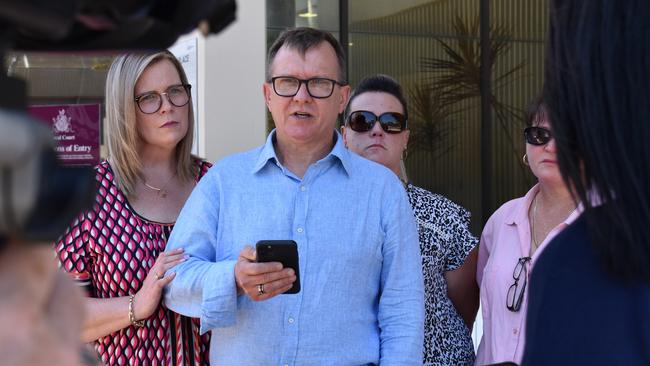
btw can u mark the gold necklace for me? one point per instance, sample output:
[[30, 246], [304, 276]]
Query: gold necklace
[[534, 242], [161, 192], [533, 237]]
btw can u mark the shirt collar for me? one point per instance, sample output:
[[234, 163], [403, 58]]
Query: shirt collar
[[575, 214], [520, 215], [267, 153], [338, 152]]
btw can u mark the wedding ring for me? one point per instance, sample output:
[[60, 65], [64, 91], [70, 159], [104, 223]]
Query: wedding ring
[[158, 276], [260, 289]]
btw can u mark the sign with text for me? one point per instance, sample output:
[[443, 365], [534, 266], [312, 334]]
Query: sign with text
[[185, 50], [75, 128]]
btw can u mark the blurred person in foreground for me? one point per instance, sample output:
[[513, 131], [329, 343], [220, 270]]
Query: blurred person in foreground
[[376, 127], [116, 251], [361, 298], [513, 239], [590, 292], [41, 311]]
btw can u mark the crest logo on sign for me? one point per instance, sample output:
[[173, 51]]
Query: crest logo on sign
[[62, 123]]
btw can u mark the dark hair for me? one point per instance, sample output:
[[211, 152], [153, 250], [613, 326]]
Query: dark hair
[[536, 112], [302, 39], [378, 83], [596, 88]]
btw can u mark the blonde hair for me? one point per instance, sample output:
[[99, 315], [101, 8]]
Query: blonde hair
[[121, 131]]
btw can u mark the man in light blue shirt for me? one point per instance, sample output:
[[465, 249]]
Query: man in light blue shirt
[[361, 299]]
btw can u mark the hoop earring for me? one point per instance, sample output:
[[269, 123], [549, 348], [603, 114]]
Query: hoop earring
[[525, 159]]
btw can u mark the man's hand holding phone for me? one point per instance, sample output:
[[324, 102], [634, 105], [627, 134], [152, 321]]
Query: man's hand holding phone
[[261, 281]]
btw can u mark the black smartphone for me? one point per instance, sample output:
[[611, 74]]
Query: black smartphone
[[283, 251]]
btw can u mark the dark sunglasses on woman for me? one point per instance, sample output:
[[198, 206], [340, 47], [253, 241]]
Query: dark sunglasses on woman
[[537, 135], [363, 121]]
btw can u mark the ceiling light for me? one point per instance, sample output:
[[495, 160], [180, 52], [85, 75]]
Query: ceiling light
[[309, 13]]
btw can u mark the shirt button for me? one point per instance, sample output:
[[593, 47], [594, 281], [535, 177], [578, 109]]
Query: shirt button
[[303, 188], [299, 230], [291, 320], [515, 331]]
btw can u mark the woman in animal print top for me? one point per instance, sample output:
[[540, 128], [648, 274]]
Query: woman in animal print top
[[447, 246]]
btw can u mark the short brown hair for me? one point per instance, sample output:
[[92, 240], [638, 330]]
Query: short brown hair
[[302, 39]]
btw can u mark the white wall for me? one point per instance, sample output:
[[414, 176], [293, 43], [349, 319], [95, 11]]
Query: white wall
[[231, 72]]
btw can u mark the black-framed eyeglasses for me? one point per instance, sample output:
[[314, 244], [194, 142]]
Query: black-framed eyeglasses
[[288, 86], [363, 121], [516, 291], [177, 95], [537, 136]]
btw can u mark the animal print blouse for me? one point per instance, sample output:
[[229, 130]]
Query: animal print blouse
[[445, 242]]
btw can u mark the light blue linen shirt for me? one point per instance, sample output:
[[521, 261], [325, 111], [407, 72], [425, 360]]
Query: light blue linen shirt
[[361, 299]]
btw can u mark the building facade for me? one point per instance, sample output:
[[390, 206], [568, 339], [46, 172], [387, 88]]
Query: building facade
[[431, 46]]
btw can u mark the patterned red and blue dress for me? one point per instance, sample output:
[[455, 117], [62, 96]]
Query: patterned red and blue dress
[[109, 250]]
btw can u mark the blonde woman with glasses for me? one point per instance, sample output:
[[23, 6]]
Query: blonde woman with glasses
[[117, 249]]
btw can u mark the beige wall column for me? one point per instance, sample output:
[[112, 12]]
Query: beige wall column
[[232, 114]]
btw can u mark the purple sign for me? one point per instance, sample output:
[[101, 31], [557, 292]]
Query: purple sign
[[76, 130]]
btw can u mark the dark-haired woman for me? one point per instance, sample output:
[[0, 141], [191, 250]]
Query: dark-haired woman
[[376, 128], [512, 241], [590, 293]]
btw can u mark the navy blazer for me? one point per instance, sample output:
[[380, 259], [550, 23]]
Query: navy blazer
[[580, 314]]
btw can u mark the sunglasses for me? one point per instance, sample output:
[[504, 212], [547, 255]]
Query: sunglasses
[[390, 122], [537, 136]]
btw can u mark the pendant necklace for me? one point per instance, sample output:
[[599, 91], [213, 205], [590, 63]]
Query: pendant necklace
[[162, 191]]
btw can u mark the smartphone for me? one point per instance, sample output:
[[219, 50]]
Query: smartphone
[[283, 251]]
